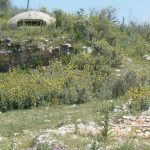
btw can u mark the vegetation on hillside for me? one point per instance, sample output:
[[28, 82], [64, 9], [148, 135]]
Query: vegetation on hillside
[[80, 76], [112, 73]]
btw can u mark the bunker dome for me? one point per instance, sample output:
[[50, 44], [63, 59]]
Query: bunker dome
[[31, 18]]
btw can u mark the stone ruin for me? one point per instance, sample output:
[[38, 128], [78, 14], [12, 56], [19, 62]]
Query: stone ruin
[[26, 53], [127, 127]]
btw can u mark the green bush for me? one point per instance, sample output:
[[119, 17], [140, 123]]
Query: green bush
[[62, 84], [109, 53], [4, 24], [78, 77], [72, 83], [122, 85]]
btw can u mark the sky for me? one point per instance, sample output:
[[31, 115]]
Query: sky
[[136, 10]]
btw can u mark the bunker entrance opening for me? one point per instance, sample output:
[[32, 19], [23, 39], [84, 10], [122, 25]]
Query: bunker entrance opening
[[31, 23]]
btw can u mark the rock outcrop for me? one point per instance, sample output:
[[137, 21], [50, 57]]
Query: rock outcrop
[[127, 126], [28, 53]]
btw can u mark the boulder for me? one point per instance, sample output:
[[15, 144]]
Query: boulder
[[66, 48], [54, 52], [29, 53], [87, 49], [146, 57]]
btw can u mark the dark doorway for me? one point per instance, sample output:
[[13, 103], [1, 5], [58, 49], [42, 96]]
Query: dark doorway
[[31, 23]]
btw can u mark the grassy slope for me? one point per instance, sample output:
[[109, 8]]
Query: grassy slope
[[21, 126], [17, 122]]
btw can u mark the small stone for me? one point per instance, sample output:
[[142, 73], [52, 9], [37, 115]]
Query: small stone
[[127, 122], [128, 129], [1, 138], [146, 112], [117, 70], [147, 134], [46, 40], [138, 131], [8, 40], [140, 134], [63, 37], [126, 117], [86, 49], [144, 129], [27, 132], [92, 124], [129, 60], [15, 134], [109, 147], [78, 120], [117, 110], [111, 101], [133, 124], [47, 121], [88, 147], [140, 121], [146, 57], [60, 124], [82, 129], [125, 107], [74, 137], [132, 118], [117, 131], [73, 106]]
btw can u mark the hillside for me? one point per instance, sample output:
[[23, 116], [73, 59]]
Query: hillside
[[81, 82]]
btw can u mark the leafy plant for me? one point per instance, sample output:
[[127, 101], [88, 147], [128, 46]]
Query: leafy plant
[[105, 135]]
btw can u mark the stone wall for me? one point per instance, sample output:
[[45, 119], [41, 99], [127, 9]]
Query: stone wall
[[15, 54], [138, 126], [4, 60]]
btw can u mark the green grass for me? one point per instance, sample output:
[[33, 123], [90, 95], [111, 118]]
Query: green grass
[[16, 122], [21, 126]]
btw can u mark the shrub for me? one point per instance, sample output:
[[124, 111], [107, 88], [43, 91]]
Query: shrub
[[139, 98], [81, 79], [4, 24], [122, 85], [21, 90], [110, 55]]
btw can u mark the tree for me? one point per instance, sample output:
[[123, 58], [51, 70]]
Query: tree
[[28, 4], [59, 17], [43, 9], [109, 12], [5, 5]]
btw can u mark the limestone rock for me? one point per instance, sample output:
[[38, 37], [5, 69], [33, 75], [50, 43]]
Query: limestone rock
[[146, 57], [1, 138], [147, 134], [87, 49]]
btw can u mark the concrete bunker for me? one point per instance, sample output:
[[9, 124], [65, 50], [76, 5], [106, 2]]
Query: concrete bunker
[[31, 23], [31, 18]]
